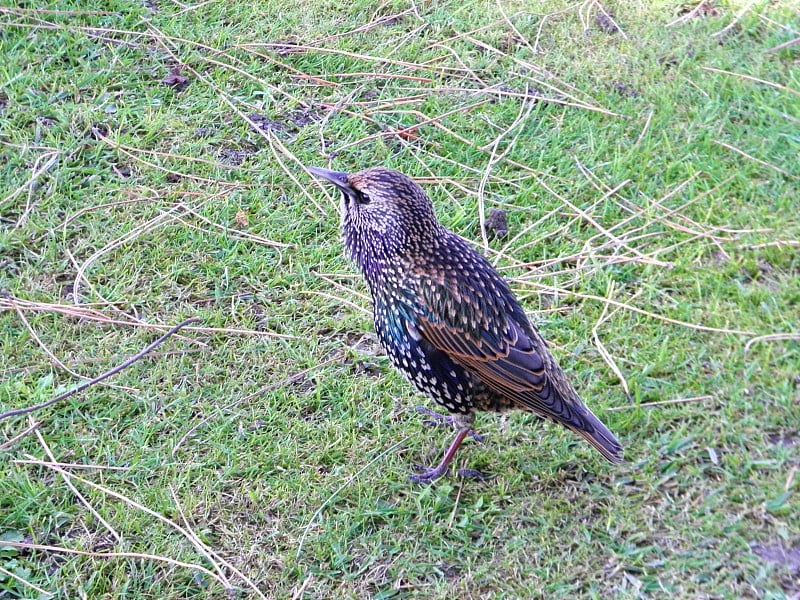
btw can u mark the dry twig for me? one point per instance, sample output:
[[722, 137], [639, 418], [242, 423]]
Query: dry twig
[[106, 375]]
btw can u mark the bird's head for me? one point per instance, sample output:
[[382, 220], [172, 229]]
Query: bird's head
[[383, 211]]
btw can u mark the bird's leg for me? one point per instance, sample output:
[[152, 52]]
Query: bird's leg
[[463, 425], [430, 475], [438, 420]]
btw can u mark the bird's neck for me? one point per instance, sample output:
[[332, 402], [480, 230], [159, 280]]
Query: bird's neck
[[391, 251]]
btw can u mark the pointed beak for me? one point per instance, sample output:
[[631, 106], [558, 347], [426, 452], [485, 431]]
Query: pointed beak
[[335, 177]]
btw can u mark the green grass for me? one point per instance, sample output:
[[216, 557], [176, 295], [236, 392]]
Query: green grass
[[150, 192]]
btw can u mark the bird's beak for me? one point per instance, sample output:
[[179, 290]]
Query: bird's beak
[[335, 177]]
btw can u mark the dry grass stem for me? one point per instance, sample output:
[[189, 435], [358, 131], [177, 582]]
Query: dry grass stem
[[160, 220], [494, 158], [444, 71], [269, 387], [63, 465], [212, 554], [763, 163], [28, 430], [776, 244], [106, 375], [594, 223], [531, 68], [338, 299], [298, 593], [52, 158], [237, 233], [608, 16], [273, 141], [91, 314], [411, 129], [790, 479], [201, 548], [88, 209], [771, 84], [81, 498], [279, 150], [137, 555], [783, 46], [773, 337], [344, 486], [607, 357], [636, 309], [53, 358], [24, 582], [736, 19], [18, 10], [689, 15], [661, 403], [329, 278], [196, 178]]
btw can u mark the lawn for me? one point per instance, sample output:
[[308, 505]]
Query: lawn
[[647, 159]]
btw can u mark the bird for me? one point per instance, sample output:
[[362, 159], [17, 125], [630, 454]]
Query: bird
[[446, 318]]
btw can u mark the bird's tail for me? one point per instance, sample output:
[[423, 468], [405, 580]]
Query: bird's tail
[[599, 436]]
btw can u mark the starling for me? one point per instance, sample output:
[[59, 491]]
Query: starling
[[447, 320]]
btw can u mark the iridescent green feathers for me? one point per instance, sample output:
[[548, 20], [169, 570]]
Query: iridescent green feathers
[[447, 319]]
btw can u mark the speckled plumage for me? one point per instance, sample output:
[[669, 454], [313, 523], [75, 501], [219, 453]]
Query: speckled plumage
[[446, 318]]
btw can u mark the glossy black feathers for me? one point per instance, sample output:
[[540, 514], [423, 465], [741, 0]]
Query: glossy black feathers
[[446, 318]]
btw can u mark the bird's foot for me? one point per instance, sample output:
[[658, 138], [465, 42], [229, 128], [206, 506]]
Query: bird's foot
[[431, 474], [471, 474], [438, 420], [426, 474]]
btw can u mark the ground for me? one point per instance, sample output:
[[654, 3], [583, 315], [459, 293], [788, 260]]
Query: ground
[[631, 167]]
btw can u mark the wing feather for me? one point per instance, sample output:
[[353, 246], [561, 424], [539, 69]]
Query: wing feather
[[489, 334]]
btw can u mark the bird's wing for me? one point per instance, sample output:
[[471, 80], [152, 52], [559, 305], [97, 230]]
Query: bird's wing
[[489, 335], [481, 332]]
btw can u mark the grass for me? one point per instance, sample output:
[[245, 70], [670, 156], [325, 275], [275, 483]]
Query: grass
[[150, 159]]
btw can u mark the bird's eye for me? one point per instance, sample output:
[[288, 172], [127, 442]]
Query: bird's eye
[[362, 198]]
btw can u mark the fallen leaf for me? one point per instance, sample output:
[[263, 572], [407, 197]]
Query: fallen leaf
[[175, 79]]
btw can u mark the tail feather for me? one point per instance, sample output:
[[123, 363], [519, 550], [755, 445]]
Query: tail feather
[[599, 436]]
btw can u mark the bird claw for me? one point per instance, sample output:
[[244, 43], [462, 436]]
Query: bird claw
[[426, 474], [471, 474], [476, 436], [435, 419], [431, 474], [438, 420]]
